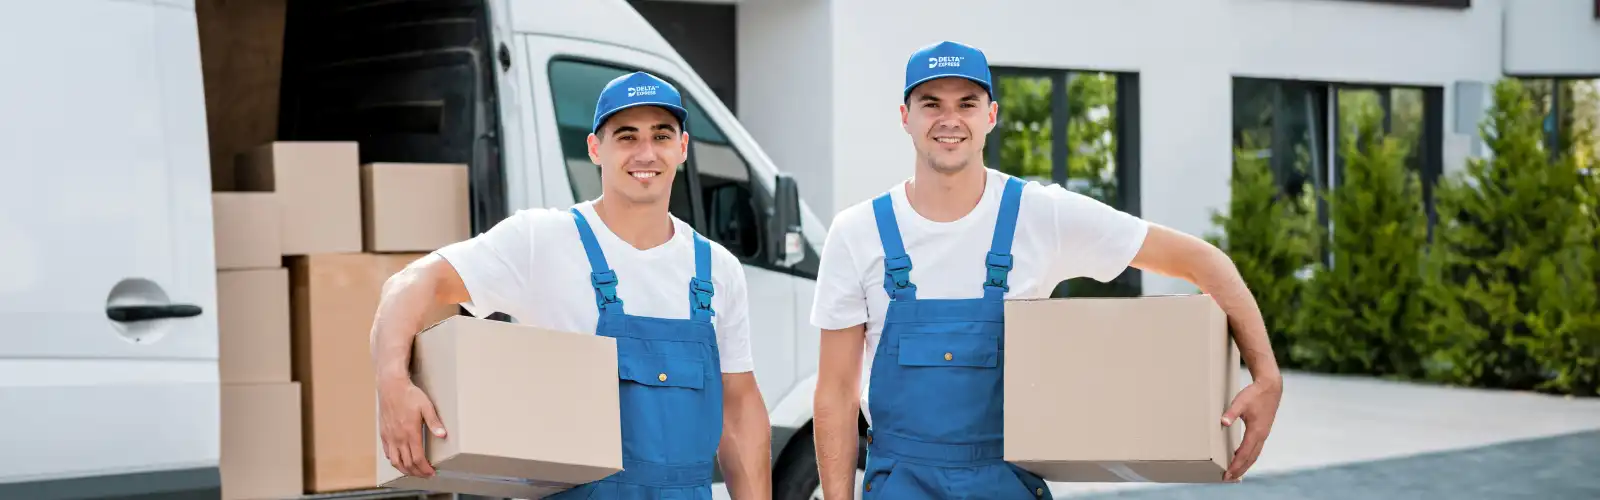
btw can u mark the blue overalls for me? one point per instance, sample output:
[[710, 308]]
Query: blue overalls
[[670, 388], [937, 391]]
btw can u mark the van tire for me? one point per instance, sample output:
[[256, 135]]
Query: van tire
[[795, 477]]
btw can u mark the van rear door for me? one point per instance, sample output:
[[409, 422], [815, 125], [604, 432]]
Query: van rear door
[[108, 337]]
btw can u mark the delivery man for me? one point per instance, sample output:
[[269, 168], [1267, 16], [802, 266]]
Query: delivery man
[[926, 266], [620, 266]]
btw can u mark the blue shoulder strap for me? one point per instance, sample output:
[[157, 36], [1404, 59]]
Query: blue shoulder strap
[[1005, 228], [896, 264], [600, 274], [700, 289]]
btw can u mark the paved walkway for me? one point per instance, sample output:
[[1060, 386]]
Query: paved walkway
[[1329, 421]]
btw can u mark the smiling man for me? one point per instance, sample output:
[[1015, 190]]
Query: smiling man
[[620, 266], [925, 267]]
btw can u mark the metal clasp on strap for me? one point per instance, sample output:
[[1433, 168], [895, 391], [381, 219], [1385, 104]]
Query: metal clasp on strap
[[999, 266], [703, 290], [606, 283]]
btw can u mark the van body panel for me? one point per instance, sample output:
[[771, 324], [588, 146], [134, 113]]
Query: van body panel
[[106, 204]]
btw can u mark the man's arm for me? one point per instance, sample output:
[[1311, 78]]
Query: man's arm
[[1175, 254], [746, 450], [406, 297], [836, 406]]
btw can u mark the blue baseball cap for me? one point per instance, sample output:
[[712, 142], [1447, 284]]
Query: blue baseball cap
[[637, 89], [947, 59]]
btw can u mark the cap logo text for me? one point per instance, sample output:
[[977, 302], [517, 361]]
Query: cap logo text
[[642, 90], [944, 62]]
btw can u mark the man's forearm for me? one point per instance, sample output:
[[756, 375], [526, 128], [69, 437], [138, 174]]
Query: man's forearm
[[835, 430], [746, 451], [405, 297], [1220, 279]]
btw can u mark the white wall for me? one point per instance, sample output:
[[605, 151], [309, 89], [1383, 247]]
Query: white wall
[[1552, 37], [1186, 53], [785, 87]]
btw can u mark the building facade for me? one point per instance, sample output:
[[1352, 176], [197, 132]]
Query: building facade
[[1158, 95]]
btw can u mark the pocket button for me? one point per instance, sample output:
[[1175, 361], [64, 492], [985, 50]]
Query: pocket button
[[948, 356], [662, 377]]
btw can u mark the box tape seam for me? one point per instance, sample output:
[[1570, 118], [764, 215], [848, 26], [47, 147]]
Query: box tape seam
[[1122, 471]]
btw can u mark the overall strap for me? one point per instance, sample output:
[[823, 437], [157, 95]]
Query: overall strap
[[600, 274], [700, 289], [1005, 227], [896, 264]]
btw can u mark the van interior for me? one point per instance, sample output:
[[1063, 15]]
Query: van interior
[[411, 80]]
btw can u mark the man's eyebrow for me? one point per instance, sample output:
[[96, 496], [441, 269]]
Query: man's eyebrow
[[665, 126], [623, 130]]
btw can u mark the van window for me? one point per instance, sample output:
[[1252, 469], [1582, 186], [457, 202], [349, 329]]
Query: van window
[[575, 86], [730, 205]]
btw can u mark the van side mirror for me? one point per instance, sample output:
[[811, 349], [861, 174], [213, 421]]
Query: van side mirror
[[783, 233]]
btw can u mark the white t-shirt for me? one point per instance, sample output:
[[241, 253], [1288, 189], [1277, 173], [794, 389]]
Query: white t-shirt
[[1060, 235], [532, 267]]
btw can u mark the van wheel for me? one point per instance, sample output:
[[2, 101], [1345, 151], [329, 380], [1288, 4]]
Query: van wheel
[[796, 476]]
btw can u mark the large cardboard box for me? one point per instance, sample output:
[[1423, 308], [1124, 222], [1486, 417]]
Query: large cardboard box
[[247, 229], [517, 447], [1120, 389], [260, 441], [253, 325], [414, 207], [319, 191], [333, 299]]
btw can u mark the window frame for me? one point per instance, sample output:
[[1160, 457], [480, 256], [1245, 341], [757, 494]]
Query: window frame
[[1125, 131]]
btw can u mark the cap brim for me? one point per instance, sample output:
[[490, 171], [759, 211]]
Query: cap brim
[[981, 83], [676, 110]]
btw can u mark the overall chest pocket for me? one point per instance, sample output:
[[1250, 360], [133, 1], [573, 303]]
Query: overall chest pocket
[[662, 370], [955, 350]]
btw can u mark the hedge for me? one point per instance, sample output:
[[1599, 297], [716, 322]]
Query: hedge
[[1506, 295]]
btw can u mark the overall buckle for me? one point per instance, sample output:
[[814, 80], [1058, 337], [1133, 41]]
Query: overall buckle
[[999, 265], [606, 283], [899, 270], [703, 290]]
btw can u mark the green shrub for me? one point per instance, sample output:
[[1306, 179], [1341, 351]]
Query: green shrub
[[1362, 312], [1269, 237], [1504, 225]]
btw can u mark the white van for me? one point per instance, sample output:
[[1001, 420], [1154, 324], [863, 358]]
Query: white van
[[108, 333]]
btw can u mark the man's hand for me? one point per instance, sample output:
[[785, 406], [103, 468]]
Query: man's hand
[[402, 409], [1257, 405]]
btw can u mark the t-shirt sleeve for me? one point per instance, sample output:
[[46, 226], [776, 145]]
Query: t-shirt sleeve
[[495, 266], [840, 301], [733, 318], [1093, 239]]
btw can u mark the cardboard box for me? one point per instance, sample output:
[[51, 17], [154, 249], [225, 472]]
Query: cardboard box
[[261, 441], [247, 228], [319, 191], [253, 325], [503, 446], [333, 299], [414, 207], [1120, 389]]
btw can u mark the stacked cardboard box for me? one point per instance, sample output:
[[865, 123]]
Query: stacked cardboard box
[[304, 243]]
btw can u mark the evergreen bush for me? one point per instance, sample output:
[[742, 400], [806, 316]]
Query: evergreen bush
[[1362, 312]]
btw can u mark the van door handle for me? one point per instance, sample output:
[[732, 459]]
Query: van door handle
[[146, 313]]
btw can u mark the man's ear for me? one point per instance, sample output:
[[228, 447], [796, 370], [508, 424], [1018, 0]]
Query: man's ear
[[994, 112], [594, 149], [905, 115], [683, 143]]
